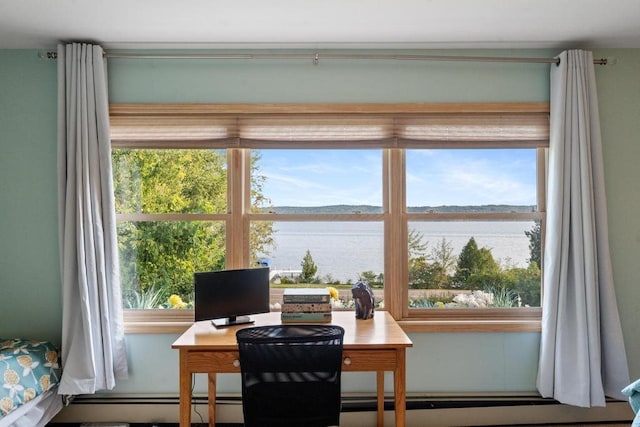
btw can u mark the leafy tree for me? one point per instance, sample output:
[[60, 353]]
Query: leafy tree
[[261, 233], [443, 264], [432, 272], [429, 272], [425, 275], [490, 279], [372, 279], [309, 268], [535, 243], [416, 247], [419, 275], [525, 282], [160, 257], [474, 261]]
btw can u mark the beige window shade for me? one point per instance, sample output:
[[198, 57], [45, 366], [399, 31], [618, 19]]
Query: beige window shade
[[316, 128], [328, 130], [159, 131], [348, 129], [525, 129]]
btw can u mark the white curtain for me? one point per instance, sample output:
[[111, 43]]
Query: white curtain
[[582, 354], [93, 350]]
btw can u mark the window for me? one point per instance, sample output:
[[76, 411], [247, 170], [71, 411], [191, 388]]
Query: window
[[171, 206], [439, 207], [326, 214], [473, 220]]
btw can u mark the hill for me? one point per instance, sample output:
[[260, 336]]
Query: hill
[[342, 209]]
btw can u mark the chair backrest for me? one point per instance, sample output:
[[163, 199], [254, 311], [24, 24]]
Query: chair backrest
[[291, 374]]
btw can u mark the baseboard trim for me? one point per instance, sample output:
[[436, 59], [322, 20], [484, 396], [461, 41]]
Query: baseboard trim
[[358, 410]]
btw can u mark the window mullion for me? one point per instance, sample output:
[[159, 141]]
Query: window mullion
[[235, 200], [395, 247]]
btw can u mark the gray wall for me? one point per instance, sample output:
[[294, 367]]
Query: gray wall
[[457, 362]]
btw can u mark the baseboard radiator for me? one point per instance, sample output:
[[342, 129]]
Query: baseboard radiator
[[357, 411]]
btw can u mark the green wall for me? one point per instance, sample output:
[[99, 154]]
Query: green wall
[[220, 81], [29, 266], [502, 362]]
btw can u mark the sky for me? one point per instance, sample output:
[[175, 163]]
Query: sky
[[434, 177]]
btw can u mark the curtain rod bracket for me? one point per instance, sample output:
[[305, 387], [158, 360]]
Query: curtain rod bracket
[[50, 54], [600, 61]]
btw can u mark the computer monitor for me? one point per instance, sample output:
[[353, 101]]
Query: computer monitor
[[227, 297]]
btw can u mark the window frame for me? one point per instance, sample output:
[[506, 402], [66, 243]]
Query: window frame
[[394, 217]]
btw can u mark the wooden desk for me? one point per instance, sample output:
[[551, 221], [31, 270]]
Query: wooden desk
[[376, 345]]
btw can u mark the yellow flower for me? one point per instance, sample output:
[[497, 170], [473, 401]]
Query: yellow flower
[[333, 292], [175, 300]]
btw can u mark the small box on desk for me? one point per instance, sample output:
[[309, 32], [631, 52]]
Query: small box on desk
[[306, 305]]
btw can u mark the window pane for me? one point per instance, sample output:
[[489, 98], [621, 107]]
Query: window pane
[[474, 264], [170, 180], [300, 178], [158, 259], [464, 179], [326, 254]]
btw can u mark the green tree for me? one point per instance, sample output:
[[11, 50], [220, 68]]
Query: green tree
[[372, 279], [415, 245], [443, 264], [525, 282], [261, 233], [419, 276], [432, 272], [160, 257], [535, 243], [474, 261], [309, 268]]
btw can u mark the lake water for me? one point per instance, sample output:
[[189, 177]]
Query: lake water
[[343, 250]]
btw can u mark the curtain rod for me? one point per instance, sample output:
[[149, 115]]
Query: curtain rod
[[316, 57]]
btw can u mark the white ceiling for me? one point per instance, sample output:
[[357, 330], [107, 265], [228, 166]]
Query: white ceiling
[[317, 24]]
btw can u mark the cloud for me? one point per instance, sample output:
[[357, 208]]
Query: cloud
[[322, 177], [470, 177], [434, 177]]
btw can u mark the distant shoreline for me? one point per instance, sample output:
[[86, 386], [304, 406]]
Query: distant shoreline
[[333, 209]]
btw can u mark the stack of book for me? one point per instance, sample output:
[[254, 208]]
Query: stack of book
[[306, 305]]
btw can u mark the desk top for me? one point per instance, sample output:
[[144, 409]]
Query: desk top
[[380, 332]]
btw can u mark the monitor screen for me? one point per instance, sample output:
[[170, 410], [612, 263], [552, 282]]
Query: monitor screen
[[226, 297]]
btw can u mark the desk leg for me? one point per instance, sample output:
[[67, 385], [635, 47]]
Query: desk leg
[[185, 391], [400, 387], [212, 399], [380, 395]]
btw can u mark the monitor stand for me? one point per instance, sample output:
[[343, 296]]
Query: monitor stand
[[231, 321]]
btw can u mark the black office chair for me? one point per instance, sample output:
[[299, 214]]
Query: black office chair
[[291, 375]]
